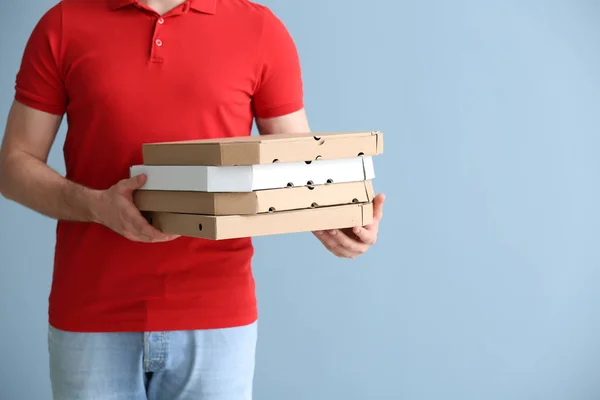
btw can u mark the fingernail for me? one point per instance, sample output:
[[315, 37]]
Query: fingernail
[[333, 233], [357, 230]]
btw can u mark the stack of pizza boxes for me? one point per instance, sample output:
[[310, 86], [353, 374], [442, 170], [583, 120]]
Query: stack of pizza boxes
[[259, 185]]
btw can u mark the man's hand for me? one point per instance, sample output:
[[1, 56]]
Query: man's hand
[[114, 208], [26, 179], [350, 243]]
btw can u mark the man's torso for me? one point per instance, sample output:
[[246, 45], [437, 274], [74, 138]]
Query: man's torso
[[130, 77]]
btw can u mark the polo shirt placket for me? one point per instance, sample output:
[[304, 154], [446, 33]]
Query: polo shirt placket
[[161, 23], [156, 54]]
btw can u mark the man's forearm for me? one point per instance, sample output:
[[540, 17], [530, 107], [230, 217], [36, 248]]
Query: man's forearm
[[33, 184]]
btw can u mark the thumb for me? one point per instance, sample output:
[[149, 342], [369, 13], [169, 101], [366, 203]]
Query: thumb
[[135, 182], [378, 207]]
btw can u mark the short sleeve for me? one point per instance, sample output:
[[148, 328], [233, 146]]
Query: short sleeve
[[39, 83], [279, 88]]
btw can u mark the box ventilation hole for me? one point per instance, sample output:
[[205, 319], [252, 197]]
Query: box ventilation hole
[[329, 180], [271, 209], [355, 200], [200, 227], [308, 162], [320, 140], [276, 160], [318, 157], [290, 184], [314, 205], [361, 154]]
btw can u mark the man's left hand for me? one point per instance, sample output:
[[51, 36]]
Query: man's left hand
[[352, 242]]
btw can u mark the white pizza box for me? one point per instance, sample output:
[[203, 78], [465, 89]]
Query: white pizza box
[[249, 178]]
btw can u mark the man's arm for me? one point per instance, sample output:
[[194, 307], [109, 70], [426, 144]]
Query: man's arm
[[40, 102], [279, 107], [345, 243], [295, 122], [26, 179]]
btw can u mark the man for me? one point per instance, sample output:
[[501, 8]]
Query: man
[[135, 313]]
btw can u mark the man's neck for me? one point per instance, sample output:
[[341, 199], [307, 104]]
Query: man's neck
[[162, 6]]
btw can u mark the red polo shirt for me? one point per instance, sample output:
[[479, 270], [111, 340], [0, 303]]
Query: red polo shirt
[[124, 75]]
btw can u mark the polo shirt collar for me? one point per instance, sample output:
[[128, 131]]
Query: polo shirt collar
[[203, 6]]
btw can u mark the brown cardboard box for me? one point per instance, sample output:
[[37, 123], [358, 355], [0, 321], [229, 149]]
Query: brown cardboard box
[[256, 202], [239, 226], [254, 150]]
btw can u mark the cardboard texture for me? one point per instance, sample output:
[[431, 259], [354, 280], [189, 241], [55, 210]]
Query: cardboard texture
[[229, 188], [256, 202], [255, 150], [254, 177], [239, 226]]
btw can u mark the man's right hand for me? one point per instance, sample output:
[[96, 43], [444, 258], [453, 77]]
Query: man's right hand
[[26, 179], [115, 209]]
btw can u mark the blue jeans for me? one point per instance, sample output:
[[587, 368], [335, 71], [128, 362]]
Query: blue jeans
[[175, 365]]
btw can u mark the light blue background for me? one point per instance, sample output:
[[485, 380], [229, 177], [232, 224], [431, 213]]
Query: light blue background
[[485, 283]]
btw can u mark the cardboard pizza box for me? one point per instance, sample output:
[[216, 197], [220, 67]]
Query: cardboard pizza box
[[262, 201], [266, 149], [248, 178], [240, 226]]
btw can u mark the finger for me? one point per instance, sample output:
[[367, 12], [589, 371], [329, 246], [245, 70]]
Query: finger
[[134, 182], [146, 230], [142, 226], [339, 251], [136, 229], [132, 232], [349, 245], [373, 227], [367, 236], [333, 246], [347, 242], [158, 235], [378, 207], [377, 213]]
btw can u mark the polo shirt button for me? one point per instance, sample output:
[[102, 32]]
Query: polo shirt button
[[159, 42], [161, 21]]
